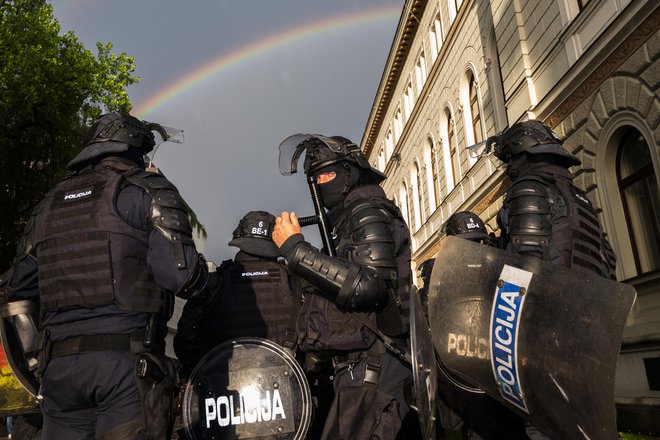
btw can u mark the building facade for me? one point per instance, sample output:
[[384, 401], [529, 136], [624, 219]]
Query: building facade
[[461, 70]]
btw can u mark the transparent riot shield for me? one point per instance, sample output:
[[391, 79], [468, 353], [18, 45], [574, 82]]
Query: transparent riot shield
[[247, 388], [423, 367], [18, 385], [542, 340]]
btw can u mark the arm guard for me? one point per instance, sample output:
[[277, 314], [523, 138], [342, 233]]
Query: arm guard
[[529, 223], [346, 284], [362, 282], [169, 212]]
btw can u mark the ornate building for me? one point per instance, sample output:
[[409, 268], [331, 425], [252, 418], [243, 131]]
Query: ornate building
[[461, 70]]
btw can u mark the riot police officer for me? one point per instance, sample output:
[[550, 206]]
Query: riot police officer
[[102, 256], [254, 298], [360, 296], [543, 214]]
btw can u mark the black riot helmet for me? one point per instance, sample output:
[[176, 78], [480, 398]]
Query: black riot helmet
[[467, 225], [253, 235], [531, 137], [323, 151], [120, 134], [325, 154]]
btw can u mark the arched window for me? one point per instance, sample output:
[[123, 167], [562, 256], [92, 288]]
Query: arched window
[[638, 185], [381, 159], [420, 72], [432, 182], [408, 100], [420, 195], [398, 125], [453, 148], [475, 111], [389, 145], [435, 37], [403, 198]]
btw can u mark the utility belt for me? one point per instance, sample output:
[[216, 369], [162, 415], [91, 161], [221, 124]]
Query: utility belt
[[341, 360], [133, 342]]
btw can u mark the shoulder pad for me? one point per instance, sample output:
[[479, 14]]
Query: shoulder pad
[[169, 212], [527, 187]]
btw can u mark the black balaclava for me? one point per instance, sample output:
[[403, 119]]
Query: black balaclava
[[346, 178]]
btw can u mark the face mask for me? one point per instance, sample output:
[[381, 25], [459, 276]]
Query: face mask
[[334, 191]]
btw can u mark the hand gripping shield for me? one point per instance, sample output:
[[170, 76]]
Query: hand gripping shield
[[247, 388], [542, 340], [423, 367], [18, 384]]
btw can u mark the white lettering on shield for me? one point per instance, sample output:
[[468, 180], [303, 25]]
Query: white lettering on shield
[[248, 408]]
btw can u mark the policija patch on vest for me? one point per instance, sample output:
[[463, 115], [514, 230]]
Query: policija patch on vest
[[77, 194], [504, 322]]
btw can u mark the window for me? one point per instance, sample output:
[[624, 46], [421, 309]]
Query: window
[[411, 206], [420, 72], [398, 125], [474, 109], [435, 37], [381, 159], [431, 170], [403, 197], [420, 193], [435, 169], [453, 148], [641, 200], [408, 100], [389, 144]]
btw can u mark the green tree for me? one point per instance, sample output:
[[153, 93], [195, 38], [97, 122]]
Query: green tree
[[51, 87]]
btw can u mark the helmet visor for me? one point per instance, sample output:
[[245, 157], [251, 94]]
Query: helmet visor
[[293, 147]]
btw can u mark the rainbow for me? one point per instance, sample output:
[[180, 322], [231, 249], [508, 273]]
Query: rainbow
[[242, 54]]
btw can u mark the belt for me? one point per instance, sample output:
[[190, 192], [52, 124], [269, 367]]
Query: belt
[[86, 343]]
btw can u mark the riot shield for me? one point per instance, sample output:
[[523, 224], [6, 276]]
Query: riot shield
[[18, 385], [247, 388], [423, 367], [542, 340]]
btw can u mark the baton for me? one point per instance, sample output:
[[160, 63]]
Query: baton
[[321, 218]]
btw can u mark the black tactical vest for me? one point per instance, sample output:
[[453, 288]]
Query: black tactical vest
[[576, 229], [87, 256], [580, 238], [255, 300]]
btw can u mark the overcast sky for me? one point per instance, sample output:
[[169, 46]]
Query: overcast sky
[[239, 76]]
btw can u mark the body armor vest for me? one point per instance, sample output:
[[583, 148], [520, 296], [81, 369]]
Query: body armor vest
[[255, 301], [576, 230], [322, 326], [87, 255]]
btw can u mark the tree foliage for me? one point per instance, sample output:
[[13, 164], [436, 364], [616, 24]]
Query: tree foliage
[[51, 87]]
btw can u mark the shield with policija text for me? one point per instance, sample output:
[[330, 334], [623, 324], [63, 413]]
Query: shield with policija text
[[543, 340], [247, 388]]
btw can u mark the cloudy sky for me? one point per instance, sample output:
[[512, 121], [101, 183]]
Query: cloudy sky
[[239, 76]]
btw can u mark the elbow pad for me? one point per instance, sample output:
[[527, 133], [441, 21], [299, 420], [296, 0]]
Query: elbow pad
[[348, 285], [195, 285]]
